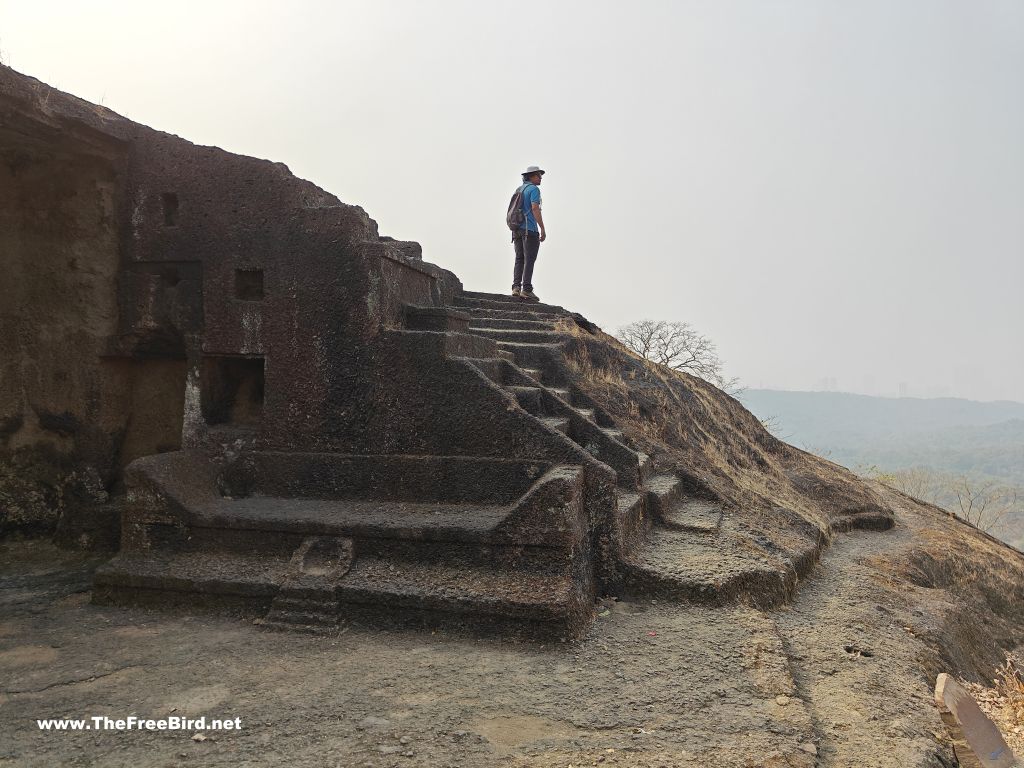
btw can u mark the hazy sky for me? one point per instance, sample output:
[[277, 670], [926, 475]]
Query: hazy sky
[[829, 189]]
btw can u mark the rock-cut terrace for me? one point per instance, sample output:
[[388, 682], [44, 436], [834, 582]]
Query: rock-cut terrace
[[269, 410]]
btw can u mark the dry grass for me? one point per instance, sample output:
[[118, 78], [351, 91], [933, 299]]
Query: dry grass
[[1009, 683], [690, 426], [1003, 701], [976, 580], [617, 385], [952, 554], [580, 362]]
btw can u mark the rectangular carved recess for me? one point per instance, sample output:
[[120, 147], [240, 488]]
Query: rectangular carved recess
[[169, 202], [249, 284], [232, 390]]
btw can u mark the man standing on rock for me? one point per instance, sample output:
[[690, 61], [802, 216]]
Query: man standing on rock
[[527, 238]]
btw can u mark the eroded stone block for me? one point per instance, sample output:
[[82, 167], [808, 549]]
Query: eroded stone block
[[976, 739]]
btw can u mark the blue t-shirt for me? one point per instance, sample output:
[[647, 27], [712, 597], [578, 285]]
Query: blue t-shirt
[[531, 196]]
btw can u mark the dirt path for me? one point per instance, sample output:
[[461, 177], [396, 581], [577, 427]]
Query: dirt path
[[651, 684], [854, 645]]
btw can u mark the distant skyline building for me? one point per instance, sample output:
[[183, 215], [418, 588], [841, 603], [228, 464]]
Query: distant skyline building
[[828, 384]]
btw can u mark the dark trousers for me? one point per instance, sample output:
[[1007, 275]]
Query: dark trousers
[[527, 244]]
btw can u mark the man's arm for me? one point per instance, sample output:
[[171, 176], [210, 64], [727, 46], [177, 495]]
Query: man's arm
[[540, 221]]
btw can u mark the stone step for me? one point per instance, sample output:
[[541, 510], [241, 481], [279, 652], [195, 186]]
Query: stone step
[[342, 485], [481, 313], [548, 597], [145, 573], [491, 367], [273, 625], [615, 434], [501, 298], [352, 518], [498, 370], [435, 319], [468, 540], [457, 588], [478, 323], [519, 336], [529, 398], [557, 422], [544, 357], [662, 492], [645, 464], [323, 618], [529, 346], [632, 517], [289, 603], [463, 301], [273, 503], [675, 509], [632, 467], [715, 570], [535, 373], [490, 296], [696, 515]]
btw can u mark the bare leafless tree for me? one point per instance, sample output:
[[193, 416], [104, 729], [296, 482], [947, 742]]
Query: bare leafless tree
[[678, 346], [773, 424], [984, 503], [920, 482]]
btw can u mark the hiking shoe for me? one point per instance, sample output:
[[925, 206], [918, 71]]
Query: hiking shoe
[[517, 293], [528, 296]]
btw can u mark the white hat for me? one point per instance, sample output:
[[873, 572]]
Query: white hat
[[533, 169]]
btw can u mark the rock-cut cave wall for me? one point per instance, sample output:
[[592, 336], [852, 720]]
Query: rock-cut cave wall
[[71, 416], [157, 294]]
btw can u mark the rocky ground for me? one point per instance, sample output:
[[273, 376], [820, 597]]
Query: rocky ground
[[842, 677]]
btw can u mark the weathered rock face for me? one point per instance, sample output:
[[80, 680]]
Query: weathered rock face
[[150, 282], [293, 415], [66, 409], [284, 381]]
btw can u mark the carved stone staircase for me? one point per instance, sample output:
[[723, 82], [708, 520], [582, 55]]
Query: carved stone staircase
[[670, 541], [308, 540]]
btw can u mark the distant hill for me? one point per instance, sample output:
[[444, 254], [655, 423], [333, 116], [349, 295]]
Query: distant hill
[[946, 434]]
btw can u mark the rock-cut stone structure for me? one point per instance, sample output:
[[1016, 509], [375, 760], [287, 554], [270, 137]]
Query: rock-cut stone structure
[[296, 416], [977, 742]]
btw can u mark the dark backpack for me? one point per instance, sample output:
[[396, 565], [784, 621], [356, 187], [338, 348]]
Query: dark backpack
[[515, 218]]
